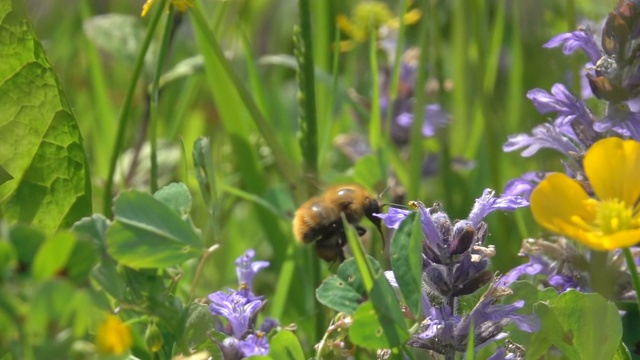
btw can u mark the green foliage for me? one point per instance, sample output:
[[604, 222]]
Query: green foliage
[[45, 179], [406, 260], [148, 233], [582, 326], [62, 268], [285, 345]]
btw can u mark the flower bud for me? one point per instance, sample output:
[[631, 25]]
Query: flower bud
[[153, 338], [463, 235]]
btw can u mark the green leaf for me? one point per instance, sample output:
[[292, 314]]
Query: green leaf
[[81, 261], [285, 345], [375, 330], [582, 326], [406, 260], [26, 242], [106, 274], [147, 233], [592, 321], [46, 180], [197, 325], [184, 68], [49, 307], [335, 293], [344, 291], [95, 229], [550, 333], [53, 255], [622, 353], [176, 196]]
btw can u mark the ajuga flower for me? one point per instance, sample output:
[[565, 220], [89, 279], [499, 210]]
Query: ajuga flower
[[240, 309], [610, 220], [456, 263]]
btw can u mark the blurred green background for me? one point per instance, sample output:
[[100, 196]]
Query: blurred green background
[[482, 55]]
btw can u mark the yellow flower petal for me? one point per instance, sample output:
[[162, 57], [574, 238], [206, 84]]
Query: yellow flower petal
[[612, 166], [560, 204], [113, 337], [412, 16], [620, 239], [146, 7]]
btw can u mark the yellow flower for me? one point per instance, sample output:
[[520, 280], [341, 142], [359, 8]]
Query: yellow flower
[[113, 337], [609, 221], [181, 5], [369, 15]]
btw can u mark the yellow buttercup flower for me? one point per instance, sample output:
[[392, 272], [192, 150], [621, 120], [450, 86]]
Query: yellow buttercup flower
[[181, 5], [609, 221], [371, 15], [113, 337]]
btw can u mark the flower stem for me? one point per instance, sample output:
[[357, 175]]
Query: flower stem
[[126, 108], [633, 270]]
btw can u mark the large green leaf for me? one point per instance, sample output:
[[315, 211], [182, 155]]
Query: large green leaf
[[406, 261], [582, 326], [147, 233], [45, 181]]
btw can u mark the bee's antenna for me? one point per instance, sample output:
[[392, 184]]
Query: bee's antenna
[[395, 205], [383, 191]]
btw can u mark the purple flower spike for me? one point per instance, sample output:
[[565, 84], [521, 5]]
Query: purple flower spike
[[246, 269], [393, 217], [581, 38], [487, 204], [237, 309], [562, 102], [544, 136], [254, 345]]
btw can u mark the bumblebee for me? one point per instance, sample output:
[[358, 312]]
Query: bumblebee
[[318, 221]]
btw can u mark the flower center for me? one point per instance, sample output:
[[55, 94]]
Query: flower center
[[613, 216]]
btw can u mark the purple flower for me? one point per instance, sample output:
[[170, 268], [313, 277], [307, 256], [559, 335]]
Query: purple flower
[[254, 345], [536, 265], [440, 324], [434, 117], [581, 38], [524, 185], [246, 269], [544, 136], [562, 102], [429, 226], [486, 311], [393, 217], [564, 282], [236, 308], [622, 121], [487, 204]]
